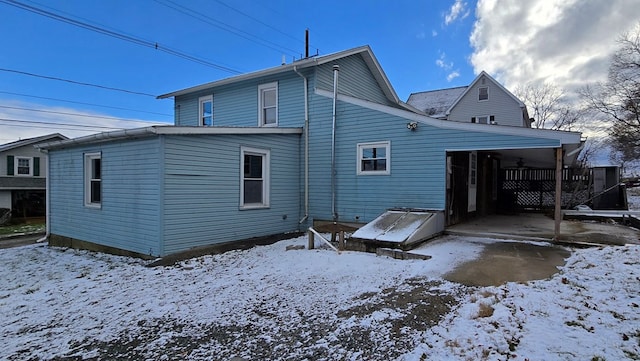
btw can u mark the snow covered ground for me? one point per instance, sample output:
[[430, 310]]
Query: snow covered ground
[[270, 304], [633, 198]]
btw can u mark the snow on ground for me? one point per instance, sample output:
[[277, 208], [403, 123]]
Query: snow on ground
[[268, 303]]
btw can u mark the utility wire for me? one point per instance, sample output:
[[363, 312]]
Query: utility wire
[[226, 27], [82, 103], [74, 82], [118, 35], [73, 114], [259, 21], [26, 123]]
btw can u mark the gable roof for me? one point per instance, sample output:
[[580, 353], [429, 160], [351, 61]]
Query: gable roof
[[364, 51], [30, 141], [435, 102], [491, 79]]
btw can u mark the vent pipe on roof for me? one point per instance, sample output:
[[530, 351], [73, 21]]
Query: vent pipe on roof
[[334, 213]]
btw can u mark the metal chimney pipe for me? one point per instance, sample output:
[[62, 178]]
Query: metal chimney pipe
[[306, 43]]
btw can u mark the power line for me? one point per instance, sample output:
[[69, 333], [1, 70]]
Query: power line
[[226, 27], [82, 103], [117, 35], [74, 82], [258, 21], [72, 114], [57, 124]]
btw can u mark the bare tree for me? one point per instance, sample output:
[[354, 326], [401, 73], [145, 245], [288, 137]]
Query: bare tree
[[548, 106], [618, 99]]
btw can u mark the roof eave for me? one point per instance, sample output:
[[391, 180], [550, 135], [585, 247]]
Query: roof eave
[[300, 64]]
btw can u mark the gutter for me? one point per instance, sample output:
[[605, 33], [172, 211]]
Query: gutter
[[306, 146], [334, 213]]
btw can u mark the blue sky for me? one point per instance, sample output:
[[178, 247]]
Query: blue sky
[[421, 45]]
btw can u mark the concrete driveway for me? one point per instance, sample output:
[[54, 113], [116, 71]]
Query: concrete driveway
[[503, 262]]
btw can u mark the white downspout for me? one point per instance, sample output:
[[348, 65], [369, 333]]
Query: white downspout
[[306, 146], [47, 215], [334, 213]]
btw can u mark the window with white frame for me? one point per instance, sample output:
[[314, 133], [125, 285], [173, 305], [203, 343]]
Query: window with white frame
[[254, 178], [268, 104], [483, 93], [93, 179], [206, 111], [23, 166], [374, 158]]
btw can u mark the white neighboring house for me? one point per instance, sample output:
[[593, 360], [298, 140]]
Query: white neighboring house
[[23, 173], [483, 101]]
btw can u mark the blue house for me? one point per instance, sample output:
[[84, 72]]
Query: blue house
[[278, 150]]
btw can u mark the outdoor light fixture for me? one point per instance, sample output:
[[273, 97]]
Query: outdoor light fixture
[[412, 126]]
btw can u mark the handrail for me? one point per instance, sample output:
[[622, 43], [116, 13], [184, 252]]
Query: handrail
[[323, 239]]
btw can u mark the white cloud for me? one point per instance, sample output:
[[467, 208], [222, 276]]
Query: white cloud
[[442, 63], [453, 75], [567, 42], [457, 10], [434, 33]]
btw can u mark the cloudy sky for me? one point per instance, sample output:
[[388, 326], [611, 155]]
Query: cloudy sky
[[50, 47]]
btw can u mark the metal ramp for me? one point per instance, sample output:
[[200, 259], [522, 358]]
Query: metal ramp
[[401, 228]]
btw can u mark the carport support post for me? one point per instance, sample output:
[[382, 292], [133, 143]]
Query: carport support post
[[558, 202]]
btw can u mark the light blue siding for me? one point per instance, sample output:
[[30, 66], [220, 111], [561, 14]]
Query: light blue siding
[[129, 216], [418, 161], [354, 79], [202, 190], [237, 104]]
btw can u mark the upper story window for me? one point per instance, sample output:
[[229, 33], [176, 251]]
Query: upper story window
[[93, 180], [206, 111], [254, 178], [374, 158], [23, 166], [268, 104], [483, 93]]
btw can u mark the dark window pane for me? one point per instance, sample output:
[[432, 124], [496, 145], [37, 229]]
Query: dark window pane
[[252, 166], [96, 196], [252, 191], [374, 164], [96, 169]]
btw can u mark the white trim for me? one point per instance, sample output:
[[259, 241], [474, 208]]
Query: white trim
[[87, 173], [383, 144], [266, 177], [16, 166], [563, 137], [262, 88], [201, 101]]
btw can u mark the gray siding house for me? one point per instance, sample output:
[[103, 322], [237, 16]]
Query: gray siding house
[[276, 151], [484, 101], [23, 176]]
